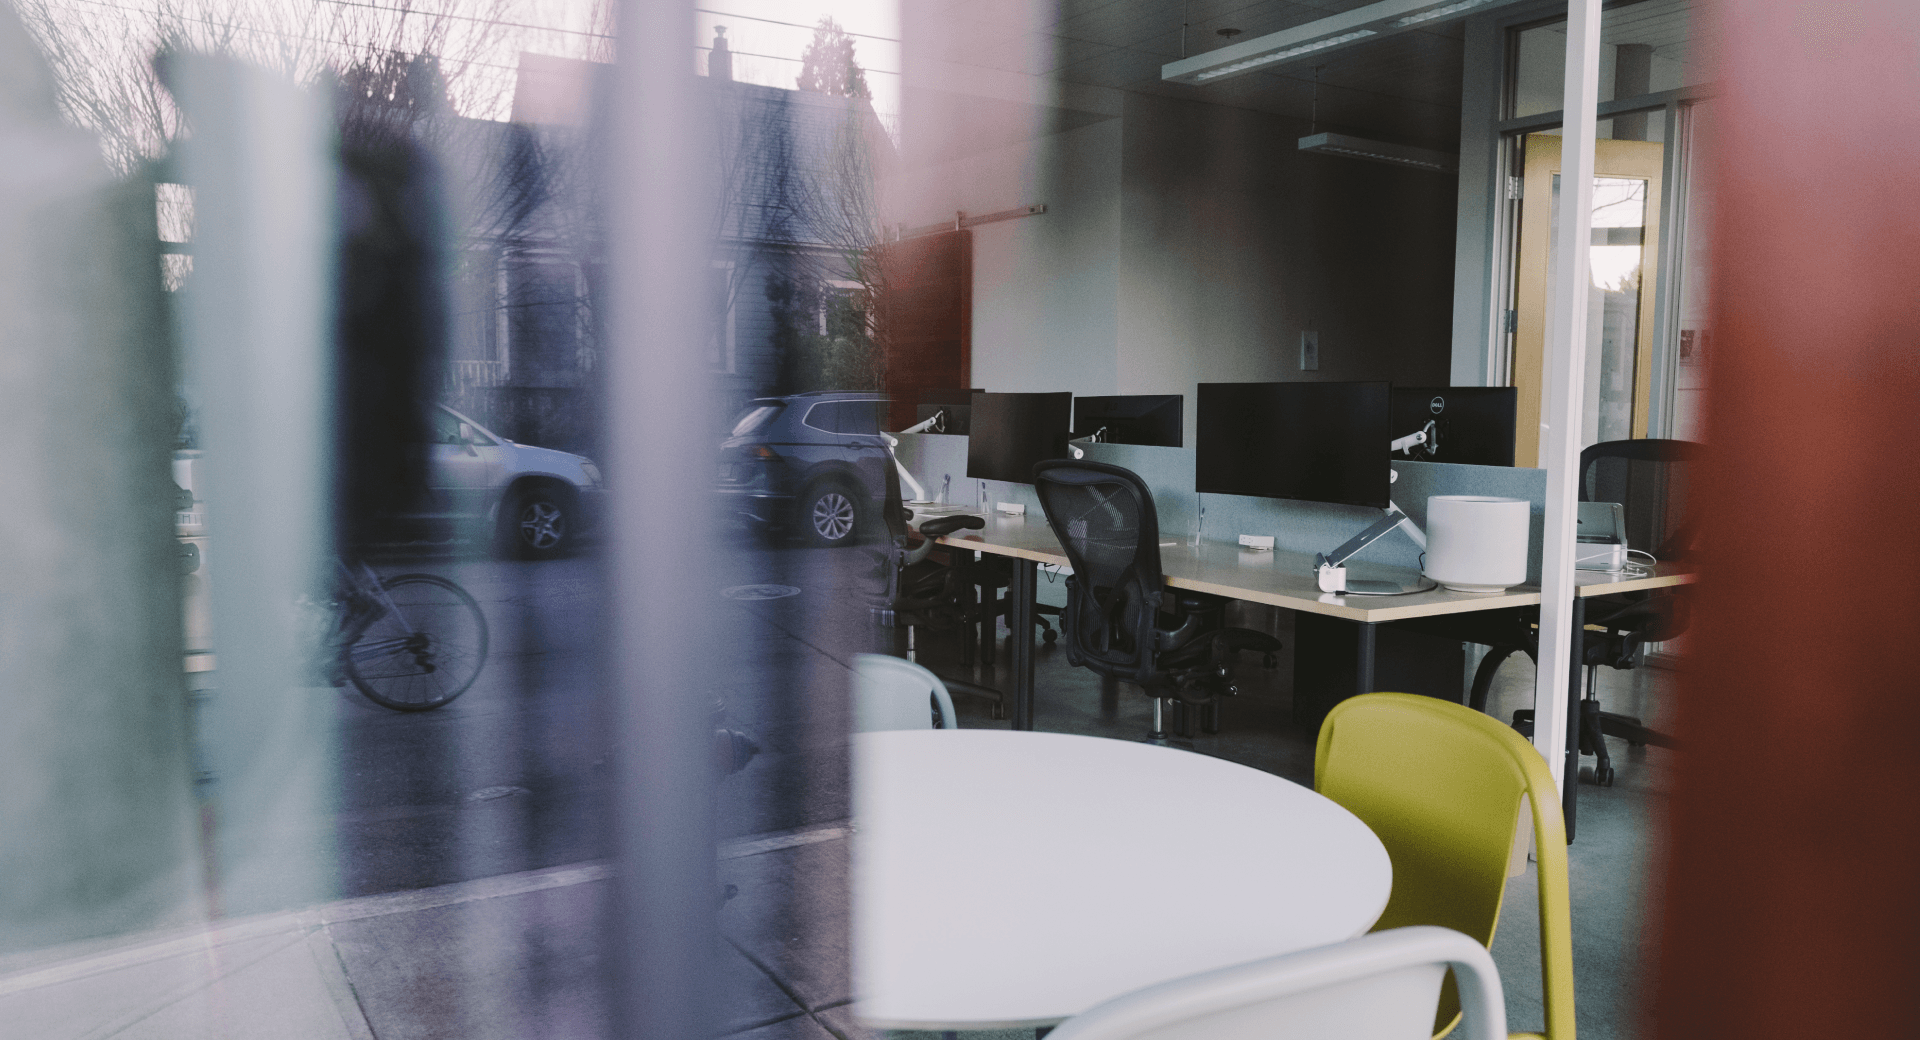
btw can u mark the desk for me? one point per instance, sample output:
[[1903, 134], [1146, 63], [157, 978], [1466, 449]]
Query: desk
[[1588, 584], [1006, 879], [1280, 578], [1284, 579], [1519, 627]]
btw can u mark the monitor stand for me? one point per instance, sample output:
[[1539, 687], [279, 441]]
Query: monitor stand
[[1331, 568]]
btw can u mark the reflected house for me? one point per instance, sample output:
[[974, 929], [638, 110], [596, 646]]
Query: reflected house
[[795, 215]]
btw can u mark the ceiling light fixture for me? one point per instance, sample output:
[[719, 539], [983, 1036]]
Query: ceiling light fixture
[[1380, 151], [1440, 12], [1317, 37], [1291, 52]]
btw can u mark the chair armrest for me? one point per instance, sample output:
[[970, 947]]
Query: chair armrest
[[940, 527]]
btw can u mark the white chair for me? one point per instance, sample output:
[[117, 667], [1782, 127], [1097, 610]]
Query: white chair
[[891, 693], [1383, 986]]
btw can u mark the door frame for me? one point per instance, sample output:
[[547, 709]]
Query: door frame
[[1486, 239], [1528, 342]]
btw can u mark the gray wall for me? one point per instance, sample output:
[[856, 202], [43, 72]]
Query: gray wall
[[1233, 242], [1044, 287], [1186, 242]]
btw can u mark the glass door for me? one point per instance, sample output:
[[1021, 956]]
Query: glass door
[[1620, 312]]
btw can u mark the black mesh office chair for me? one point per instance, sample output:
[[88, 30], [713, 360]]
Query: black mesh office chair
[[1113, 624], [919, 591], [1649, 478]]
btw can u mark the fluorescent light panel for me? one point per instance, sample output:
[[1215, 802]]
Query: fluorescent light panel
[[1380, 151], [1290, 52], [1440, 12]]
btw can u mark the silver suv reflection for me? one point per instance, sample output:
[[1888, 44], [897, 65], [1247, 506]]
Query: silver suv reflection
[[537, 500]]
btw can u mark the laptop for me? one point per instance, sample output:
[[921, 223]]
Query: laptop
[[1600, 537]]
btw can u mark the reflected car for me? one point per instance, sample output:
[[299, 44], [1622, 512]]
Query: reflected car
[[536, 502], [813, 463]]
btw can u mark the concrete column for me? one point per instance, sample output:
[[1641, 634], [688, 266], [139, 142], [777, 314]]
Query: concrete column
[[1632, 77], [1565, 372]]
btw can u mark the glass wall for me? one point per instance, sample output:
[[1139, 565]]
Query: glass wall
[[1637, 340]]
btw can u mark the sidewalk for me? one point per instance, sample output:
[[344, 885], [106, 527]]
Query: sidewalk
[[515, 956]]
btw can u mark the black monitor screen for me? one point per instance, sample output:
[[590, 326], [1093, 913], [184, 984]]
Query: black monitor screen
[[1011, 432], [957, 404], [1321, 442], [1472, 425], [1154, 419]]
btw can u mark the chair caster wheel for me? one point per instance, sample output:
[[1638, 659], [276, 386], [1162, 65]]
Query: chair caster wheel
[[1604, 776], [1050, 636], [1270, 661]]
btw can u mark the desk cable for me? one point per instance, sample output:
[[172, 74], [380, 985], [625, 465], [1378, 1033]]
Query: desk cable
[[1639, 570]]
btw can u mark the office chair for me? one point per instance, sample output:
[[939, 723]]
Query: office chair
[[991, 576], [1648, 477], [891, 693], [1104, 518], [1383, 986], [1441, 786], [917, 592]]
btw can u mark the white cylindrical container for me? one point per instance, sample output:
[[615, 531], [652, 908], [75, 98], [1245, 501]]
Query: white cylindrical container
[[1476, 543]]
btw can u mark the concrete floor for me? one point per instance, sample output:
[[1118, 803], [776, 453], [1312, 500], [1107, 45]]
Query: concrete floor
[[520, 954]]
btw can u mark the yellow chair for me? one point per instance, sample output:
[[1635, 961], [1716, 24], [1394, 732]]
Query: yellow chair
[[1441, 785]]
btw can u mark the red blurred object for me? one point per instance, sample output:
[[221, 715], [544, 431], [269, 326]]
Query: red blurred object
[[1791, 907]]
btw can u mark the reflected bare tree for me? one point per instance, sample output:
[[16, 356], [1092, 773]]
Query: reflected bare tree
[[797, 216]]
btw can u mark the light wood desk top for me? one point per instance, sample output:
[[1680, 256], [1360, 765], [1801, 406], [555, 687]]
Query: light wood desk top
[[1285, 579], [1602, 583]]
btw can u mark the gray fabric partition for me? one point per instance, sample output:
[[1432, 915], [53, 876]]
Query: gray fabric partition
[[1297, 526]]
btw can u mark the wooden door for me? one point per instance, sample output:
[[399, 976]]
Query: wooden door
[[924, 318]]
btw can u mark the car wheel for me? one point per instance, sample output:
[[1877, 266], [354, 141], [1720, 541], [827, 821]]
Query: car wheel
[[828, 515], [535, 524]]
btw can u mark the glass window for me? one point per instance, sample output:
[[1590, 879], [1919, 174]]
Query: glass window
[[1645, 48], [446, 429], [1614, 302], [854, 417], [1694, 349], [756, 418]]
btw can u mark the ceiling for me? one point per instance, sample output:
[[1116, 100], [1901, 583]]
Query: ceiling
[[1404, 88]]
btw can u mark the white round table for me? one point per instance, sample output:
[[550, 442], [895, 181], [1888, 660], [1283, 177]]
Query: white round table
[[1008, 879]]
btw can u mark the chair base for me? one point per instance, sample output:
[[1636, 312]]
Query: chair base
[[1595, 727], [1158, 735]]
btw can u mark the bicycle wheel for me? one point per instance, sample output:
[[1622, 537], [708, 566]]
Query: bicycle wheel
[[425, 651]]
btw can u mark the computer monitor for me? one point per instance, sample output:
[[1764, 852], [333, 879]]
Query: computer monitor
[[958, 404], [1014, 432], [1472, 425], [1318, 442], [1154, 419]]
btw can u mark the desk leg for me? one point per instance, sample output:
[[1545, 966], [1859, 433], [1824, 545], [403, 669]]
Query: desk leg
[[1363, 663], [962, 564], [1570, 779], [1020, 592]]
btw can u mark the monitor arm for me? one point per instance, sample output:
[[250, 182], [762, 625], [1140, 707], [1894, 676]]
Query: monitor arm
[[1330, 569], [1074, 448], [936, 423], [1425, 435]]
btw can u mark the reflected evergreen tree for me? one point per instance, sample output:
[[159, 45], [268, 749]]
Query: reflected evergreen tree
[[828, 66]]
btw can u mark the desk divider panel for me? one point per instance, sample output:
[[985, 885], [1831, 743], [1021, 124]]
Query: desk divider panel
[[1306, 527]]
